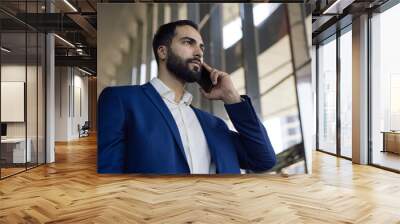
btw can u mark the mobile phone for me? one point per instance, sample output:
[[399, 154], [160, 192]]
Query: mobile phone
[[205, 80]]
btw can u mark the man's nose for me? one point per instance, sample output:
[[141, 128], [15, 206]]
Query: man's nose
[[199, 53]]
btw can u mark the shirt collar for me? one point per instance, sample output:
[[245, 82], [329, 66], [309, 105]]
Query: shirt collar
[[166, 93]]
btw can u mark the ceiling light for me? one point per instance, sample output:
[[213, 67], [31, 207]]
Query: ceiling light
[[5, 50], [64, 40], [337, 7], [84, 71], [70, 5]]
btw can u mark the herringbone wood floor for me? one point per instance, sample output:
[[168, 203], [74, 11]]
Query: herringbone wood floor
[[70, 191]]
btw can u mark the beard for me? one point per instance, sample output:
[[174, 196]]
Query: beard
[[180, 68]]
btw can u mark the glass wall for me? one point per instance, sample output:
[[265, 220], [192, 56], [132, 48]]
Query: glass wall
[[22, 92], [327, 95], [345, 92], [385, 89], [278, 95], [13, 93]]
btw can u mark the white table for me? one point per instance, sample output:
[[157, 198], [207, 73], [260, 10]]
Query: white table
[[18, 144]]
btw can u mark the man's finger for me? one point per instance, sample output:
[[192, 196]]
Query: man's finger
[[214, 77], [207, 67], [207, 95], [222, 75]]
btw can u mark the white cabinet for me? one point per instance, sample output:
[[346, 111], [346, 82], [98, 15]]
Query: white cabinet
[[18, 149]]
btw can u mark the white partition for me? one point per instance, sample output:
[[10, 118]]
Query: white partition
[[12, 101]]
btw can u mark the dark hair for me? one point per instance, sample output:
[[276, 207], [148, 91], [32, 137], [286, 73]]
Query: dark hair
[[166, 32]]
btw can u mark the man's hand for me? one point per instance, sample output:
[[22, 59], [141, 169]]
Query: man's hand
[[223, 88]]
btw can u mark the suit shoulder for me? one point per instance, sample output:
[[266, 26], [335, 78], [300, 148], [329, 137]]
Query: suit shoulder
[[119, 90]]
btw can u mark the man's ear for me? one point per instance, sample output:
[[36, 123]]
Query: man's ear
[[162, 52]]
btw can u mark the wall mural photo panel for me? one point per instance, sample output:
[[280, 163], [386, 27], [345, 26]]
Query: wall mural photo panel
[[201, 88]]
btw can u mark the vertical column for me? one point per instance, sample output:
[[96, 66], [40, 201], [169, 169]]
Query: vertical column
[[205, 33], [174, 11], [217, 58], [134, 47], [50, 92], [301, 63], [149, 38], [360, 90], [250, 52], [160, 14], [139, 52], [92, 98], [338, 98], [193, 14]]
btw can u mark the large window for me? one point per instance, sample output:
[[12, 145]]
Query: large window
[[232, 34], [385, 89], [327, 96], [345, 93]]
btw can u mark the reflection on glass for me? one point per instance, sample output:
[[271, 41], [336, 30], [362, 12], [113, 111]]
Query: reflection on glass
[[279, 103], [327, 96], [232, 34], [385, 84], [345, 94], [262, 11], [232, 25]]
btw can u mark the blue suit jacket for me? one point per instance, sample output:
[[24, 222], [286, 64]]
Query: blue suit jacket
[[137, 134]]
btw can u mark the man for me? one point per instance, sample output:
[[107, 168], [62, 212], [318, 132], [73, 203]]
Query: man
[[152, 128]]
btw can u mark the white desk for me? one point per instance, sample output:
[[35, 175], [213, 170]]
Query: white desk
[[18, 145]]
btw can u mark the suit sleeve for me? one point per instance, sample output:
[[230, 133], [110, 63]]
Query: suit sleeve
[[253, 147], [110, 136]]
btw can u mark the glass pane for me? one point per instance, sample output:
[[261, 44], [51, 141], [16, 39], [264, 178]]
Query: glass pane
[[277, 82], [231, 36], [346, 94], [31, 97], [327, 96], [385, 83], [13, 87], [278, 96], [31, 89]]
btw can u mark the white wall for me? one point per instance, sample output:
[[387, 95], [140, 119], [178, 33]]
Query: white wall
[[34, 125], [70, 83], [15, 72]]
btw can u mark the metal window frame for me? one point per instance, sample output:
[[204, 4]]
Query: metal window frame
[[389, 4], [381, 9], [44, 72], [337, 34]]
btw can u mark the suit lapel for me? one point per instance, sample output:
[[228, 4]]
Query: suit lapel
[[158, 102]]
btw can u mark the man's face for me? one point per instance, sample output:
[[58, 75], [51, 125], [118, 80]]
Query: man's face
[[185, 54]]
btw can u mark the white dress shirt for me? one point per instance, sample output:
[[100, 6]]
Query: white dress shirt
[[192, 135]]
